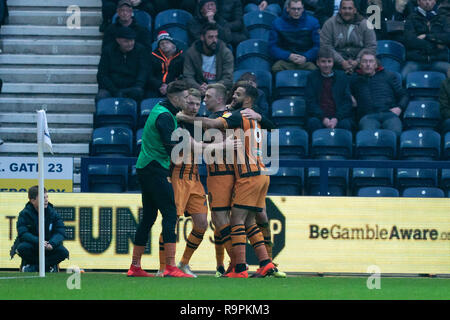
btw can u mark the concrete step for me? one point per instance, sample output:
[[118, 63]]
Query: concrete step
[[58, 135], [52, 18], [69, 60], [55, 3], [52, 105], [60, 31], [50, 75], [30, 119], [50, 88], [30, 149], [51, 46]]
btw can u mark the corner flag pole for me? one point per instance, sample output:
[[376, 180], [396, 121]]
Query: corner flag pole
[[43, 138]]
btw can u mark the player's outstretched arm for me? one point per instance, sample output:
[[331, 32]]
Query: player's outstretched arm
[[207, 123]]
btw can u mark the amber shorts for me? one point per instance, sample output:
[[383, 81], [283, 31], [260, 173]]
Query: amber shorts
[[250, 192], [220, 190], [189, 195]]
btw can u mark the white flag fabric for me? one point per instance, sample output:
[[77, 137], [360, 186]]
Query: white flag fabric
[[43, 127]]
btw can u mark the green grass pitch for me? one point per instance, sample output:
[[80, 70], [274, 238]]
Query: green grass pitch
[[113, 286]]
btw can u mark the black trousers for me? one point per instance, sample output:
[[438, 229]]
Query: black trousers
[[157, 194], [30, 254]]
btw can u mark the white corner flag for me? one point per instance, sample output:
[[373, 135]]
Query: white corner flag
[[43, 138]]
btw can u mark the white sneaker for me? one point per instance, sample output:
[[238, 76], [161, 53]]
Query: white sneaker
[[186, 269]]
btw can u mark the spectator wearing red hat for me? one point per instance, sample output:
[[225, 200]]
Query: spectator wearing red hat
[[166, 65]]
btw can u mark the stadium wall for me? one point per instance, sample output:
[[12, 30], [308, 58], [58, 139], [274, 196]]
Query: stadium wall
[[310, 234]]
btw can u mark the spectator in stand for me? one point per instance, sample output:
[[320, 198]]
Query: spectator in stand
[[208, 60], [261, 101], [123, 68], [294, 39], [207, 13], [379, 95], [444, 101], [231, 11], [328, 98], [166, 65], [125, 19], [1, 86], [346, 34], [427, 37]]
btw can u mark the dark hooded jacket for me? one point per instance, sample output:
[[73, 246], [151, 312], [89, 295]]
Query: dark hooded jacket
[[434, 47]]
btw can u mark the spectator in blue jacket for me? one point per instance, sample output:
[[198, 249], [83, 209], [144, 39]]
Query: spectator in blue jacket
[[27, 243], [294, 40]]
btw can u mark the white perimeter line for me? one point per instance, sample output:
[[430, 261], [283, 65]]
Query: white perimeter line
[[6, 278]]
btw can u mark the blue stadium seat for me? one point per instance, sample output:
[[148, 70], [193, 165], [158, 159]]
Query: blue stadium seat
[[423, 193], [293, 143], [422, 114], [142, 19], [259, 24], [263, 79], [112, 141], [337, 181], [331, 142], [420, 144], [147, 106], [108, 178], [391, 54], [167, 19], [116, 112], [289, 112], [372, 177], [138, 141], [376, 144], [406, 178], [446, 151], [253, 54], [424, 84], [291, 82], [378, 192], [287, 182]]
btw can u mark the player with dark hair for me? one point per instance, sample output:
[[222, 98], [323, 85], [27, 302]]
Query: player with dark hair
[[153, 171]]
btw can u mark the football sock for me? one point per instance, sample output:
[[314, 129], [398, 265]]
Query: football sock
[[169, 252], [137, 254], [192, 243], [225, 232], [238, 240], [218, 245], [265, 229], [257, 241]]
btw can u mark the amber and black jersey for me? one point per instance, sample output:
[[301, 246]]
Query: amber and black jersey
[[223, 168], [248, 162]]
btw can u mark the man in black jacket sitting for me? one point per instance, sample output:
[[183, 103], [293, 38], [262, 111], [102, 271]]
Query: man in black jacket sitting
[[328, 97], [28, 234], [379, 95]]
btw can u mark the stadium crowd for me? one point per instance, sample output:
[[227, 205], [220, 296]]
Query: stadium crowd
[[341, 65]]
